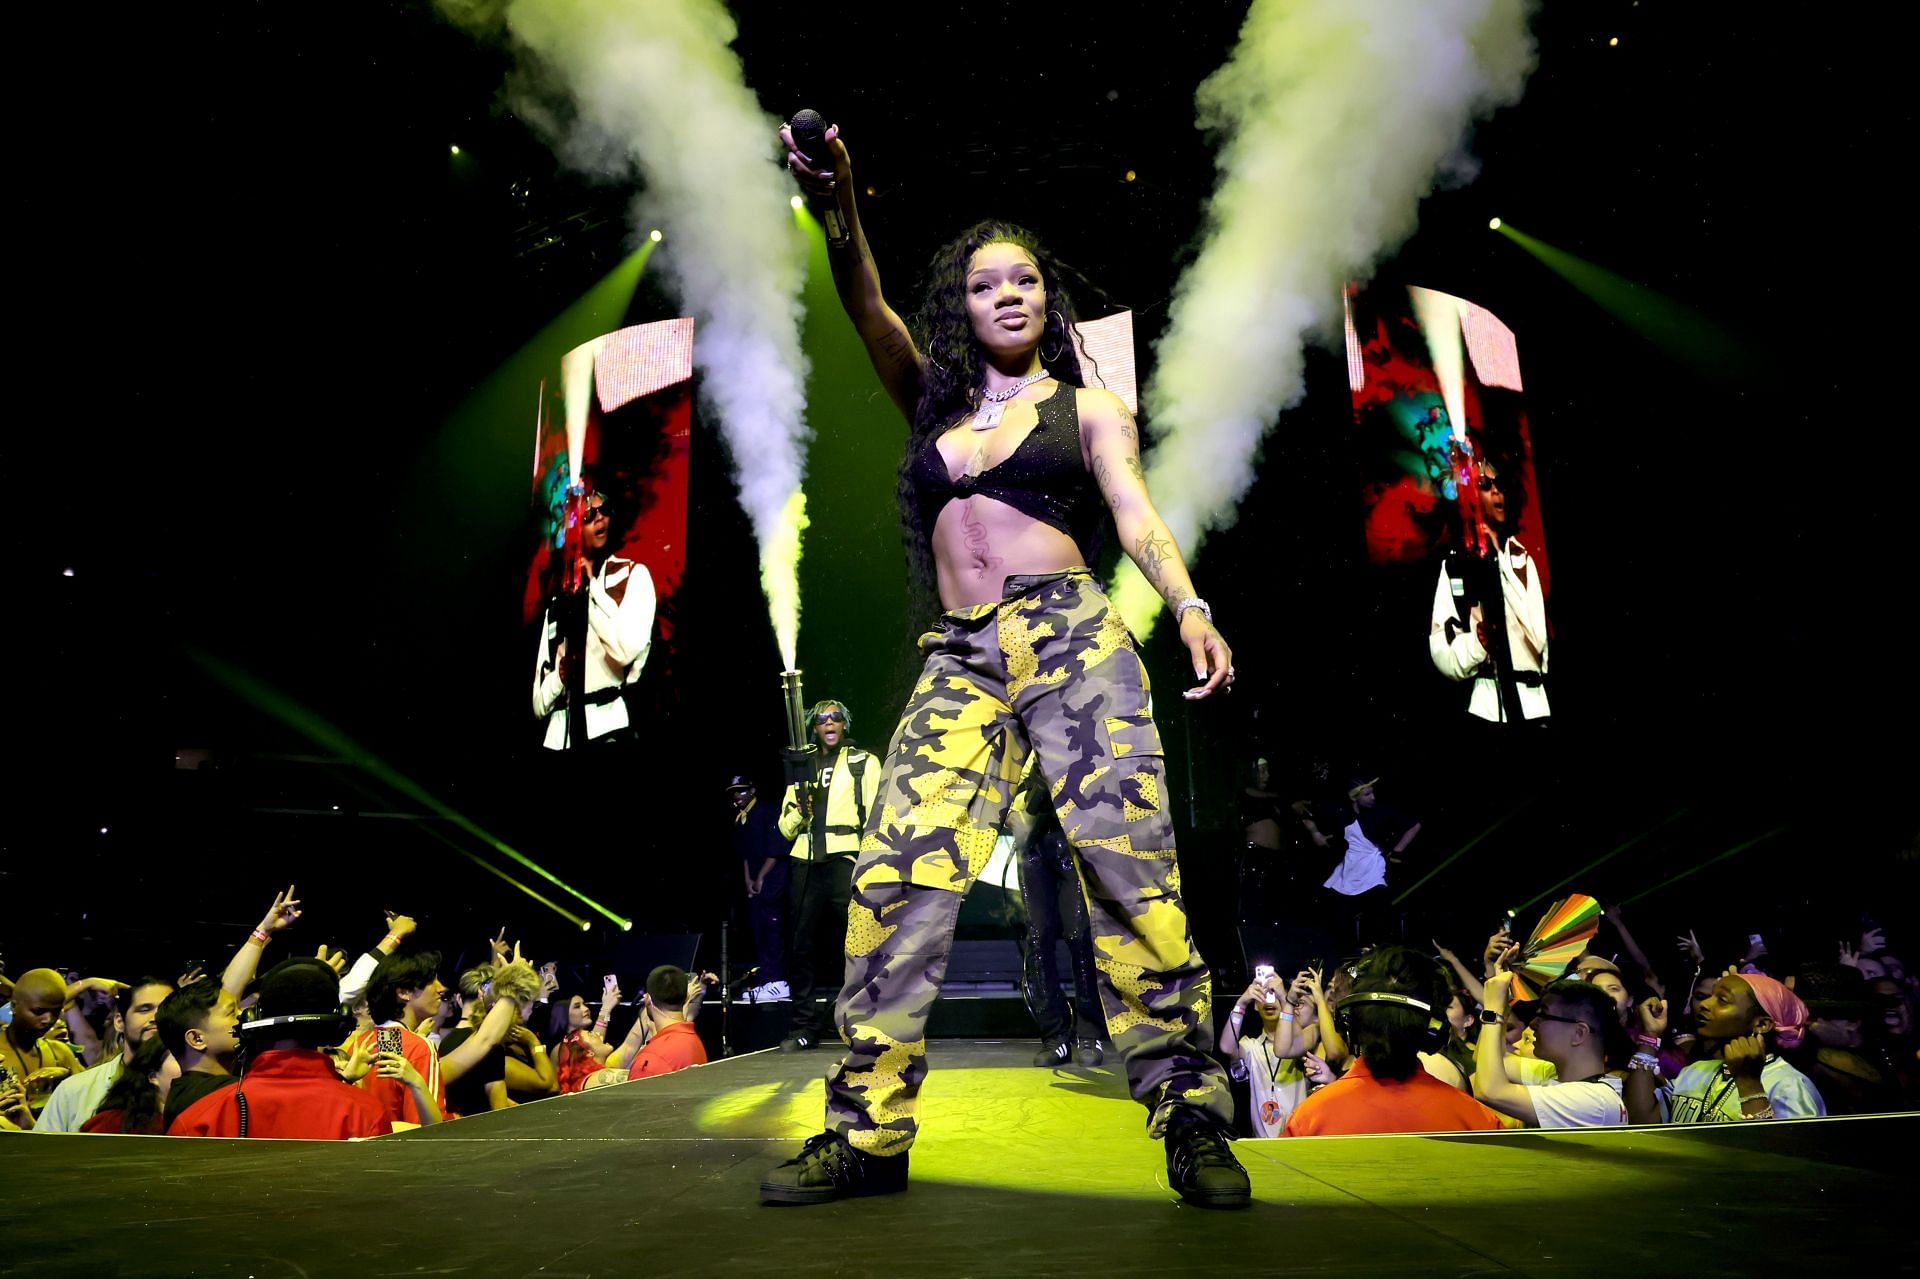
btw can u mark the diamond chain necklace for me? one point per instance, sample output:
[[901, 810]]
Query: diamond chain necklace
[[996, 401]]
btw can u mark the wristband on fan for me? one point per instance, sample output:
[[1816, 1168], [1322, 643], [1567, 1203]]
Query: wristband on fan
[[393, 940], [1646, 1041], [258, 935]]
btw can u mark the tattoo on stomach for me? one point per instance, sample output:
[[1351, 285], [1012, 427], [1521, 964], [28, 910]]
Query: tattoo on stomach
[[975, 533]]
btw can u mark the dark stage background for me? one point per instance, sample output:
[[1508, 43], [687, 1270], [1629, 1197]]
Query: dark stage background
[[264, 303]]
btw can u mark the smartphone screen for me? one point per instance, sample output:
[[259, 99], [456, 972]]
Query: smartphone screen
[[389, 1039]]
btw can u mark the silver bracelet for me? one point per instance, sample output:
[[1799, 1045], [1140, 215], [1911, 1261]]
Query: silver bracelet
[[1193, 602]]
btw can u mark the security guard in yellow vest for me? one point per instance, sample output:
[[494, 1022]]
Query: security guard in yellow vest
[[825, 819]]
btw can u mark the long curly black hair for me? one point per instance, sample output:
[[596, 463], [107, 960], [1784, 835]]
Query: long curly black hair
[[954, 376]]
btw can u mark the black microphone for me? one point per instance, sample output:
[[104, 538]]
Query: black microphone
[[809, 132]]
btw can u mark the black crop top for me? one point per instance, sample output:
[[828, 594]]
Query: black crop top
[[1044, 478]]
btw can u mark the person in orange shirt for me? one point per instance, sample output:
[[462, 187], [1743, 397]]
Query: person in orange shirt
[[675, 1044], [1397, 1010]]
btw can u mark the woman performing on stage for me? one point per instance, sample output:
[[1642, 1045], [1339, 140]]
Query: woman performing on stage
[[1009, 462]]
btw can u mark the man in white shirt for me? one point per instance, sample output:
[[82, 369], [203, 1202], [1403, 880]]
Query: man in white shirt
[[620, 605], [78, 1096], [1574, 1026], [1495, 636]]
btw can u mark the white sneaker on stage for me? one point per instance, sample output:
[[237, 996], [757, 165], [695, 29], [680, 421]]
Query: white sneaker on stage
[[773, 992]]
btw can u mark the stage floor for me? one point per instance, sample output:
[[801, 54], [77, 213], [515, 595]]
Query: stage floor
[[1021, 1171]]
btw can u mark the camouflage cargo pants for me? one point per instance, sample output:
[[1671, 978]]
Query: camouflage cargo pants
[[1049, 670]]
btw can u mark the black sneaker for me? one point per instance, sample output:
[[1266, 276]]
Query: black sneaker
[[1200, 1163], [1056, 1053], [827, 1168], [1089, 1053], [797, 1043]]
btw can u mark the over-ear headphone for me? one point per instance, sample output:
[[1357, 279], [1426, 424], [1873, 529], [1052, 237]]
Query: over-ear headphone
[[1435, 1037], [250, 1026]]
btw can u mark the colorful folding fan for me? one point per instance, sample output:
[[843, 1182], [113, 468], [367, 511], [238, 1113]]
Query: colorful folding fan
[[1558, 939]]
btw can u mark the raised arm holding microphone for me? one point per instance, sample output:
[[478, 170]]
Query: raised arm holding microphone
[[1015, 470]]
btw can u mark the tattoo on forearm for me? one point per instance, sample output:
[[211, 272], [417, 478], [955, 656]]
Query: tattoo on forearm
[[1133, 464], [1152, 551], [1103, 476], [1127, 427]]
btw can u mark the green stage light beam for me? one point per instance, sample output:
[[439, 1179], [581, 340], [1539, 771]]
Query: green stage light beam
[[323, 733], [1458, 854], [479, 463], [1668, 820], [426, 828], [582, 924], [1672, 326], [1711, 861]]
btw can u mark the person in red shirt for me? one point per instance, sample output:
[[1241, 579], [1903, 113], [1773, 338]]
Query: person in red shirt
[[676, 1043], [405, 991], [290, 1088], [1397, 1008]]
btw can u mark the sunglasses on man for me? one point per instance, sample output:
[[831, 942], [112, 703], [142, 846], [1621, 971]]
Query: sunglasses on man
[[835, 717]]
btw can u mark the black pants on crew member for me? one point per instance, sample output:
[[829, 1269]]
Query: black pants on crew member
[[818, 893]]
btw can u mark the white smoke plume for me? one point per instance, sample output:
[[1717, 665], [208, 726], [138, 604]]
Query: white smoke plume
[[656, 90], [1335, 118]]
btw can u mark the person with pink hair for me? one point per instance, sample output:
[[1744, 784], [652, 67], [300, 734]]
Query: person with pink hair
[[1738, 1072]]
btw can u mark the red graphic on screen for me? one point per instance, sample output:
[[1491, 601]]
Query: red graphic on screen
[[1419, 464]]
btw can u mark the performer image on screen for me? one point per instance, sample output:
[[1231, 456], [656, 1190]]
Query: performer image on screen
[[1490, 614], [823, 818], [1011, 465], [609, 620]]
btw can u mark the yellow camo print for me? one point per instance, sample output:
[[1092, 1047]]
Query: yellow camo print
[[1048, 679]]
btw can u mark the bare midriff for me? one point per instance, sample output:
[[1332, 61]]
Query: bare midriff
[[978, 543]]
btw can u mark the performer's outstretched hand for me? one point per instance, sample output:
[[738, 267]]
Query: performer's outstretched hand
[[819, 182], [1212, 659]]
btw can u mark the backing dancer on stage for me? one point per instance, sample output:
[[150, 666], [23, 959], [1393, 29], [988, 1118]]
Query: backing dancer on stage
[[1009, 462]]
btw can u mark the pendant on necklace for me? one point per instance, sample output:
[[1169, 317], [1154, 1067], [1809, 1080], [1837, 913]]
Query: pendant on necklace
[[989, 416]]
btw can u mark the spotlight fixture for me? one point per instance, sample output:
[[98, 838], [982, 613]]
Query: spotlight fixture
[[655, 236], [1494, 225], [796, 201], [454, 150]]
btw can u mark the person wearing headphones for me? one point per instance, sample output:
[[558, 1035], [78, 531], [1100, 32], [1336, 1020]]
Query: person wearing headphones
[[824, 817], [290, 1087], [1395, 1012]]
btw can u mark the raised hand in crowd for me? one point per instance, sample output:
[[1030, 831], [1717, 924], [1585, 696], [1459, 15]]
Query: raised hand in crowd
[[334, 959], [1468, 982], [399, 928], [353, 1063], [1498, 942]]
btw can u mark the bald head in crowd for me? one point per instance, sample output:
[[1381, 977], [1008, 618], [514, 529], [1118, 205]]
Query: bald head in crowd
[[38, 997]]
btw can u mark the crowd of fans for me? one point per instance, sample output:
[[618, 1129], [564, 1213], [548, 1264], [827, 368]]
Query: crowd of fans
[[319, 1047], [1397, 1039], [1393, 1039]]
